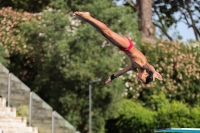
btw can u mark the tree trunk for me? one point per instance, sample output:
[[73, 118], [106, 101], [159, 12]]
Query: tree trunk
[[145, 20]]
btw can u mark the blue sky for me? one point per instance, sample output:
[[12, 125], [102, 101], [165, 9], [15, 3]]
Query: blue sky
[[184, 31]]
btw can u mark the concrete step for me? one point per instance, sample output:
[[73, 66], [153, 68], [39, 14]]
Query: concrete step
[[15, 119], [6, 112], [4, 124], [14, 132], [14, 122], [19, 129], [8, 109]]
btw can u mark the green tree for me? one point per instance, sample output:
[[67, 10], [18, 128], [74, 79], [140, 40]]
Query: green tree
[[57, 58], [167, 13], [25, 5], [144, 12], [145, 23], [133, 117], [188, 11]]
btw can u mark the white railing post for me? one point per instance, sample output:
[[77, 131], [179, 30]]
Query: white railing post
[[53, 122], [9, 84], [30, 109]]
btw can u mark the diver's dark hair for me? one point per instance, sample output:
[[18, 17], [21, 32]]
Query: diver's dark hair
[[149, 78]]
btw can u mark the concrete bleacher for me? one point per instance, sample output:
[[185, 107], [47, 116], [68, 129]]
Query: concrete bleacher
[[41, 112], [9, 123]]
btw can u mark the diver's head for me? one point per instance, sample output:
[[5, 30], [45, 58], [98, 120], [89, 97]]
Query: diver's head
[[145, 76]]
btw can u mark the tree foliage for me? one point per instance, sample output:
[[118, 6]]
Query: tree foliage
[[133, 117], [167, 10], [11, 40], [57, 55], [25, 5], [167, 13]]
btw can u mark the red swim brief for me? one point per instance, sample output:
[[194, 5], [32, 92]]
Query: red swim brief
[[128, 48]]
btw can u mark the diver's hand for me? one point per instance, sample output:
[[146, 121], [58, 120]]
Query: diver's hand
[[157, 76], [108, 81]]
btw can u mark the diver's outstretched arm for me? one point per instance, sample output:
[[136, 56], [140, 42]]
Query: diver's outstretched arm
[[119, 73]]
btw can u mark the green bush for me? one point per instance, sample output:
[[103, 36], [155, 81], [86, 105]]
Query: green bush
[[23, 111], [3, 55], [176, 114], [133, 117]]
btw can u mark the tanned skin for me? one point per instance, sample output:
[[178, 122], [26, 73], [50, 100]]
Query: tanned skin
[[137, 59]]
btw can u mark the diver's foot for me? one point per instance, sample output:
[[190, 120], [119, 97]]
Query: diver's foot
[[83, 15]]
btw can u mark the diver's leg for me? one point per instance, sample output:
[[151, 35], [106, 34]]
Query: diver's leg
[[113, 37]]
